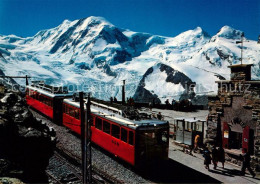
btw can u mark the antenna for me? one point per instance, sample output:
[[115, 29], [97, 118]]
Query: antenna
[[242, 36]]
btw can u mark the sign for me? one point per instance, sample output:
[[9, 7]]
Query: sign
[[226, 134]]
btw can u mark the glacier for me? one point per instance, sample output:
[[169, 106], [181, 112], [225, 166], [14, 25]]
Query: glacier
[[93, 55]]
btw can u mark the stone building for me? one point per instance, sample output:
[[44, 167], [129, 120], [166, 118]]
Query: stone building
[[234, 113]]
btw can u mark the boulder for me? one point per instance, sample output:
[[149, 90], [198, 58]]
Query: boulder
[[26, 143]]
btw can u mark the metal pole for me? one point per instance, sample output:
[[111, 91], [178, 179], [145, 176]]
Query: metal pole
[[83, 143], [88, 141], [123, 92], [241, 49], [26, 78]]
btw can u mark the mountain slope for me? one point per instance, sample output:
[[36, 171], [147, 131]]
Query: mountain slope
[[91, 54]]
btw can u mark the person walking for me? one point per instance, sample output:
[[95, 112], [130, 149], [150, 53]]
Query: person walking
[[207, 158], [246, 163], [221, 156], [196, 142], [214, 153]]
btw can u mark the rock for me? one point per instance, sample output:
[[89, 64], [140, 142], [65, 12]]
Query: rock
[[26, 143], [7, 180]]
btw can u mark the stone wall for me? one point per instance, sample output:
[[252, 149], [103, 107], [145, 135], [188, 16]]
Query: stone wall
[[236, 98]]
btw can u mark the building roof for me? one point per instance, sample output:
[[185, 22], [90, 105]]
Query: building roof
[[242, 82], [240, 65]]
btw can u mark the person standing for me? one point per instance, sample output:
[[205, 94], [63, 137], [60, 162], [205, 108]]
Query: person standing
[[196, 142], [207, 158], [246, 163], [214, 156], [221, 156], [159, 116]]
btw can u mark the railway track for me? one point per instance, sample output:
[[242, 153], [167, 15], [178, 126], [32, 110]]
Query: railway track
[[98, 176], [104, 169], [61, 170]]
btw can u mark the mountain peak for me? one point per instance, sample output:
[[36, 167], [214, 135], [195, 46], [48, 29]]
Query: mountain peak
[[199, 30], [97, 20], [229, 33]]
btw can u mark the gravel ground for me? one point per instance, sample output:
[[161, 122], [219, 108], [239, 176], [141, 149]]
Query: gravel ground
[[103, 162]]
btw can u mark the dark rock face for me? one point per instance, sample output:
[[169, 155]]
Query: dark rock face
[[65, 38], [173, 76], [142, 94], [26, 143], [108, 71]]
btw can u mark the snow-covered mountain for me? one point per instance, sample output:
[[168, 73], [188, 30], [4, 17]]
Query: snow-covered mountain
[[94, 55]]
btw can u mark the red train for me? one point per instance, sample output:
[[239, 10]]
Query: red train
[[136, 142]]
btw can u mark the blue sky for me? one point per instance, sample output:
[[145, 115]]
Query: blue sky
[[161, 17]]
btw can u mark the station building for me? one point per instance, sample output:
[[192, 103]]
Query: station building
[[234, 114]]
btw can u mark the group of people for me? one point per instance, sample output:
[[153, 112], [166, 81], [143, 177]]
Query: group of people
[[129, 101], [218, 155]]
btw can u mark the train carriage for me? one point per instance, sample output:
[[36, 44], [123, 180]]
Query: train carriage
[[136, 142], [46, 102]]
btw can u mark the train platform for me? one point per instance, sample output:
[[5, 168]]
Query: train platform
[[230, 173]]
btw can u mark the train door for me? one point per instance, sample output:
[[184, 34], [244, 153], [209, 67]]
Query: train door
[[180, 131], [248, 139], [57, 110], [115, 132]]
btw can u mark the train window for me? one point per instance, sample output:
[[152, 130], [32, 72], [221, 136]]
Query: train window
[[47, 101], [63, 108], [77, 113], [67, 109], [51, 103], [131, 138], [41, 98], [106, 127], [71, 112], [32, 94], [115, 131], [162, 137], [98, 123], [123, 134]]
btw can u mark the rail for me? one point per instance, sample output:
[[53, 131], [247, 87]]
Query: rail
[[102, 176]]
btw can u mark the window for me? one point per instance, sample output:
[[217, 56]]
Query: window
[[162, 137], [198, 127], [115, 131], [77, 113], [98, 123], [64, 108], [106, 127], [131, 138], [71, 112], [67, 109], [123, 134], [32, 94]]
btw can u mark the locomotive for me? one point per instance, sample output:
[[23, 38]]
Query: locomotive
[[137, 142]]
